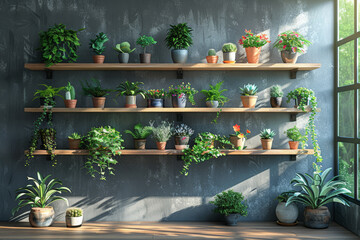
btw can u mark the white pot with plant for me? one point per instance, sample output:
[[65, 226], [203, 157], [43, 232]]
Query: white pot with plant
[[229, 52], [74, 217], [267, 136], [286, 215], [248, 95], [162, 133]]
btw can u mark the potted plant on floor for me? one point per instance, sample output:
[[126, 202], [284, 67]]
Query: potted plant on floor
[[286, 215], [145, 41], [232, 205], [291, 44], [212, 57], [248, 97], [95, 90], [214, 96], [104, 144], [267, 136], [97, 45], [74, 141], [179, 39], [130, 90], [252, 44], [70, 101], [39, 195], [238, 139], [124, 50], [295, 136], [276, 94], [140, 134], [316, 192], [162, 133], [74, 217], [229, 52], [48, 140], [182, 134], [179, 94], [155, 98], [47, 96]]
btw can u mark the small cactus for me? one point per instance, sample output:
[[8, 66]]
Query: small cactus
[[124, 47], [211, 52], [70, 92], [74, 212], [229, 47]]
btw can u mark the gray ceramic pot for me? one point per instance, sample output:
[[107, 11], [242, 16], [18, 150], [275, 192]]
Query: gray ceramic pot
[[229, 56], [130, 101], [145, 58], [232, 219], [123, 57], [74, 221], [289, 56], [181, 140], [179, 102], [212, 104], [140, 143], [41, 217], [317, 218], [179, 55], [287, 214]]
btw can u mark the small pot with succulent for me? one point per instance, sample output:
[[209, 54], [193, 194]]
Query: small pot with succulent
[[182, 134], [162, 133], [276, 94], [291, 44], [74, 141], [74, 217], [130, 90], [212, 57], [145, 41], [140, 134], [238, 139], [47, 96], [286, 215], [180, 93], [267, 137], [248, 97], [155, 98], [39, 195], [179, 39], [232, 205], [124, 50], [295, 136], [97, 45], [229, 52], [214, 96], [253, 45], [70, 101], [95, 90]]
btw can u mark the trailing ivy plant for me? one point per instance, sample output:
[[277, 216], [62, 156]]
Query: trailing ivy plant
[[48, 139]]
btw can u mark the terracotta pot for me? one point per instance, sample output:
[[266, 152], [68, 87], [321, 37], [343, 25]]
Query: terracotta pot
[[74, 143], [237, 142], [289, 56], [249, 101], [130, 101], [41, 217], [266, 143], [139, 144], [253, 54], [145, 58], [98, 102], [275, 102], [294, 144], [70, 103], [161, 145], [212, 59], [181, 147], [317, 218], [98, 58]]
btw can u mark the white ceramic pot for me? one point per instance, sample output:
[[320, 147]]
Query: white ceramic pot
[[287, 214], [74, 221]]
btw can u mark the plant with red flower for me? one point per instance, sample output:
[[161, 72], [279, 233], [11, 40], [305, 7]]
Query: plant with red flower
[[183, 89], [236, 128], [251, 40], [291, 41]]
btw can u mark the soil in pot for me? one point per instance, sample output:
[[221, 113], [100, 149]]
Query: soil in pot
[[237, 142], [140, 144], [98, 102], [289, 56], [266, 143], [317, 218], [232, 219], [249, 101], [212, 59], [145, 58], [98, 58], [130, 101], [70, 103], [161, 145], [74, 143], [253, 54], [179, 101], [74, 221], [212, 104], [294, 144], [179, 55], [123, 57], [275, 102], [41, 217], [287, 214], [181, 140], [157, 103]]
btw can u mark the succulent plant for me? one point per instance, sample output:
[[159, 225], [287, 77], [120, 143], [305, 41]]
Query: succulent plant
[[211, 52], [74, 212], [276, 91], [70, 92], [267, 133], [124, 47], [75, 136], [249, 90], [229, 47]]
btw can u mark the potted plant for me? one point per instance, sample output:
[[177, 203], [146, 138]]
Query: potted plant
[[238, 139], [140, 134], [39, 195], [124, 50], [103, 143], [229, 52], [267, 136], [252, 45], [48, 140], [276, 95], [316, 192], [182, 134], [179, 39], [301, 96], [145, 41], [130, 90], [179, 94], [162, 133], [70, 101], [95, 90], [74, 141], [97, 45], [156, 98], [287, 215], [214, 96], [291, 44], [59, 44], [295, 136], [74, 217], [230, 204], [212, 57], [248, 97], [47, 96]]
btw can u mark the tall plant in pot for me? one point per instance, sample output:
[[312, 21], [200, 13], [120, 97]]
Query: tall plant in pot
[[145, 41], [212, 57], [179, 39], [291, 44], [39, 195], [155, 98], [74, 217], [182, 134], [276, 95], [295, 136], [97, 46], [140, 133], [253, 44], [180, 93], [248, 97], [124, 50], [267, 136], [238, 139], [95, 90], [214, 96], [287, 215], [162, 133], [229, 52], [130, 90], [70, 101], [74, 141]]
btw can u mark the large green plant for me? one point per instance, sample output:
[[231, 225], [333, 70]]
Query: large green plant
[[128, 88], [97, 44], [145, 41], [140, 131], [215, 93], [230, 202], [40, 193], [59, 44], [179, 36], [94, 88]]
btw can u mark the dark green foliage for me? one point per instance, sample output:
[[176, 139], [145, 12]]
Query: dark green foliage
[[230, 202], [140, 131], [130, 89], [97, 44], [75, 136], [215, 94], [145, 41], [94, 88], [179, 36], [48, 138], [294, 134], [48, 92]]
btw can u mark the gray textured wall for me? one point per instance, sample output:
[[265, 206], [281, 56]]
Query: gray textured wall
[[151, 188]]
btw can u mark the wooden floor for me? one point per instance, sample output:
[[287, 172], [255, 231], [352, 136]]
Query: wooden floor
[[172, 230]]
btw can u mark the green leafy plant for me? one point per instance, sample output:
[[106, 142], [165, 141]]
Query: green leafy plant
[[284, 196], [230, 202], [276, 91], [211, 52], [48, 138], [294, 134], [229, 47], [130, 89], [267, 134], [155, 94], [140, 131], [215, 93], [59, 44], [75, 136], [163, 131], [316, 191], [94, 88], [97, 44], [48, 92], [249, 90], [251, 40], [69, 92], [179, 36], [74, 212], [103, 143], [145, 41], [40, 193], [291, 41], [183, 89], [123, 47]]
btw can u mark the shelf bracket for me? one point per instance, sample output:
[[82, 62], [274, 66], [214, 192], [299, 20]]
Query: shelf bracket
[[293, 117], [180, 73], [49, 73], [293, 157], [179, 117], [293, 73]]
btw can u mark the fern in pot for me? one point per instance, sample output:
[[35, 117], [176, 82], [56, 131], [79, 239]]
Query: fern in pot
[[130, 90], [95, 90], [140, 133], [179, 39], [162, 133], [276, 95], [214, 96], [182, 134]]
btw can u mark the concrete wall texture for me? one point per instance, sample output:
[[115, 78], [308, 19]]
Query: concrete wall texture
[[151, 188]]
